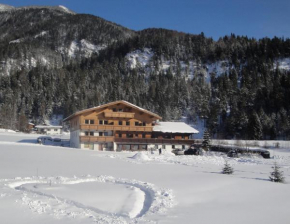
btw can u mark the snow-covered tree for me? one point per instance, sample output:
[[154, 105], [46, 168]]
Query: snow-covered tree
[[277, 174], [227, 169]]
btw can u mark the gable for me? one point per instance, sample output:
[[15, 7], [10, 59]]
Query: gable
[[118, 105]]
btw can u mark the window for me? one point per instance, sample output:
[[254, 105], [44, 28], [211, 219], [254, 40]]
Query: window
[[183, 146], [114, 109], [55, 129], [120, 135], [129, 135], [143, 135], [100, 133], [173, 146], [144, 124], [89, 133], [106, 134], [128, 123], [136, 135], [182, 136], [87, 145], [120, 110], [134, 147], [143, 147], [89, 121], [101, 122], [136, 123], [120, 122], [106, 122], [163, 146]]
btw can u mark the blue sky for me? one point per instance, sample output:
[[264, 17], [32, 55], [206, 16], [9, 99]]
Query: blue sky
[[216, 18]]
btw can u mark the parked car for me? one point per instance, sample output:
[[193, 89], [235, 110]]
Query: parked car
[[233, 153], [44, 139], [178, 152], [193, 151], [265, 154], [56, 140]]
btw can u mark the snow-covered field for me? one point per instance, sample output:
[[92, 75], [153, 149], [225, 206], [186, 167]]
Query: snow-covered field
[[48, 184]]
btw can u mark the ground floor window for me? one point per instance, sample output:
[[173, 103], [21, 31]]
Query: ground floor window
[[173, 146], [89, 146], [183, 146], [132, 147], [143, 147], [163, 146]]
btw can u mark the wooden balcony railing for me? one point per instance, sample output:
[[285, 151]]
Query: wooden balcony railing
[[155, 141], [119, 114], [116, 128], [96, 138]]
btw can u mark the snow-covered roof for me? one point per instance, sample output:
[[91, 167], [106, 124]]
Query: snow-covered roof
[[174, 127], [48, 127]]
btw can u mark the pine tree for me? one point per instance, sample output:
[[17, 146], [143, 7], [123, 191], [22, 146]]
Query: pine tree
[[227, 169], [277, 174], [206, 140]]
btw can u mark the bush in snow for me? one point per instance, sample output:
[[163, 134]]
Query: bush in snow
[[227, 169], [277, 174]]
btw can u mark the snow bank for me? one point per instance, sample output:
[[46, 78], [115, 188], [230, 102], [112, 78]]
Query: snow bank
[[140, 156], [7, 130]]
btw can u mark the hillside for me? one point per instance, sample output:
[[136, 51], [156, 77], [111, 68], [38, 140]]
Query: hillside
[[54, 61]]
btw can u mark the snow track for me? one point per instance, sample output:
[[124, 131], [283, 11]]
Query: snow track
[[131, 200]]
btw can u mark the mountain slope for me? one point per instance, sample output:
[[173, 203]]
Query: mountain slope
[[52, 37]]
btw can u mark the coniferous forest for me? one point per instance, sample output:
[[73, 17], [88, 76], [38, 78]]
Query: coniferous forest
[[47, 68]]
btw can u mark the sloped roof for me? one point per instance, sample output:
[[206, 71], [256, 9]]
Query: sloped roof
[[110, 104], [174, 127]]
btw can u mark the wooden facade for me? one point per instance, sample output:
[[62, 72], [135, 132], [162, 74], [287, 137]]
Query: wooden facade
[[119, 126]]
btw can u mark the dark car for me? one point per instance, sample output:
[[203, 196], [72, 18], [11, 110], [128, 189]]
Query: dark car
[[193, 151], [265, 154], [233, 153]]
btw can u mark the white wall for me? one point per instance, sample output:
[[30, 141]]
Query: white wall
[[75, 139]]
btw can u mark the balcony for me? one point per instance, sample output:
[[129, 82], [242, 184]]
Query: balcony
[[155, 141], [116, 128], [119, 114], [96, 138]]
